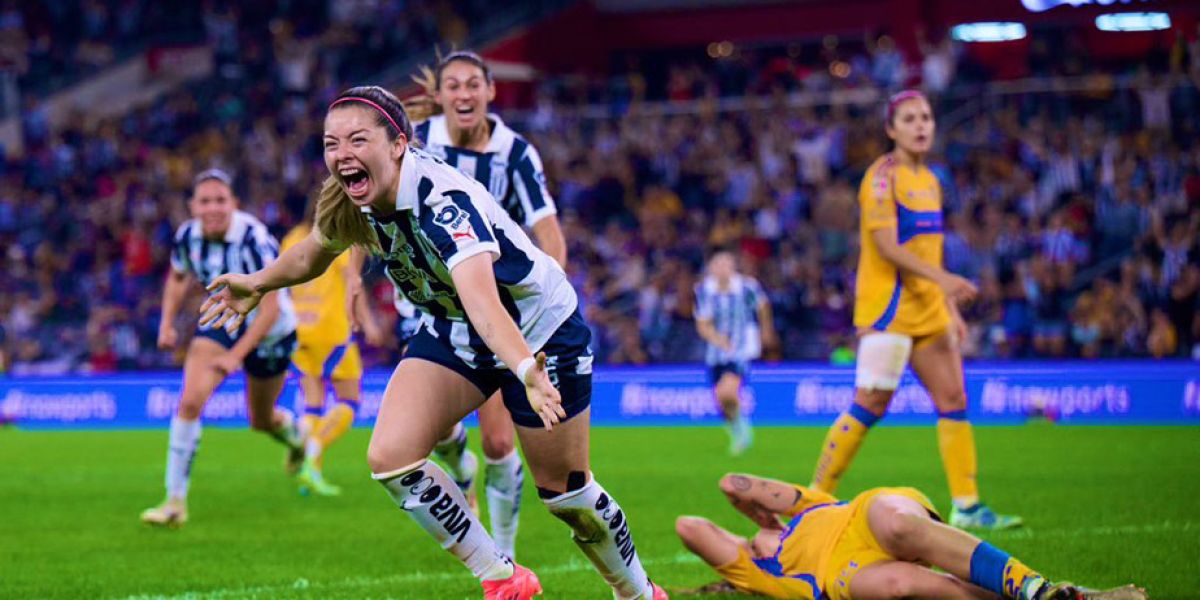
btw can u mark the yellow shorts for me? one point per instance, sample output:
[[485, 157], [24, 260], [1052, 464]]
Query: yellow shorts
[[857, 547], [329, 361]]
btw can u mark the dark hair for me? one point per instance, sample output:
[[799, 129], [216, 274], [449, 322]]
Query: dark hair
[[713, 251], [390, 111], [889, 111], [337, 218], [213, 174], [430, 80]]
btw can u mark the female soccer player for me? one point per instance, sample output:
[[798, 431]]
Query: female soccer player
[[465, 135], [489, 301], [905, 310], [221, 239], [328, 353], [878, 546], [734, 318]]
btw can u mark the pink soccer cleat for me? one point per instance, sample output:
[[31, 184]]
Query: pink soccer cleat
[[521, 586], [659, 593]]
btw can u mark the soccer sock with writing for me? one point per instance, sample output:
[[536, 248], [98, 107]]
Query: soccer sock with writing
[[181, 451], [450, 452], [433, 500], [601, 530], [841, 444], [996, 571], [503, 479], [333, 425], [956, 441]]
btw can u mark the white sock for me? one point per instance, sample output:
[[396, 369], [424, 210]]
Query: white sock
[[503, 478], [288, 431], [433, 500], [313, 448], [181, 451], [601, 530], [450, 452]]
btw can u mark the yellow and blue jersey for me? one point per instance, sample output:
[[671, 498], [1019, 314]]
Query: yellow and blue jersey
[[325, 349], [320, 304], [824, 545], [908, 200]]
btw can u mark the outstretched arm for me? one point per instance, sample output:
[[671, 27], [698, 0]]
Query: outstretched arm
[[763, 501]]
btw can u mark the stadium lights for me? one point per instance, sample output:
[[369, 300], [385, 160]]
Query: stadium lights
[[999, 31], [1142, 21]]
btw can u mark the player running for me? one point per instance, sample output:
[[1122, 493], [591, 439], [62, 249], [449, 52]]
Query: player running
[[327, 353], [217, 240], [905, 309], [462, 132], [734, 317], [880, 545], [489, 301]]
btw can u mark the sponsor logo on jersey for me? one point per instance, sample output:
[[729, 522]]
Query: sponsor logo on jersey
[[456, 222]]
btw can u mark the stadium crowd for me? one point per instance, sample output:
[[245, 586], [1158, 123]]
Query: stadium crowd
[[1077, 214]]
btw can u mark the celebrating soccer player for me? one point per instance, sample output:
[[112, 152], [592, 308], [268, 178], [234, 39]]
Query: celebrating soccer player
[[498, 314], [217, 240], [906, 312], [465, 135]]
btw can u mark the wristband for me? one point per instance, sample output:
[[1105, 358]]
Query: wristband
[[524, 368]]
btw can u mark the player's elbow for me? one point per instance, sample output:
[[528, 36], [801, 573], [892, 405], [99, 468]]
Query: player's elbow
[[733, 484]]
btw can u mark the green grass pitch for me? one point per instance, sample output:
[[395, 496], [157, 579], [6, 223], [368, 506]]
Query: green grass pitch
[[1104, 506]]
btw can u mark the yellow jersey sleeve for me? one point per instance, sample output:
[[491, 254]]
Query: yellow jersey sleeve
[[877, 196]]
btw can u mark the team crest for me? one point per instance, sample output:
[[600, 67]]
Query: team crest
[[456, 222]]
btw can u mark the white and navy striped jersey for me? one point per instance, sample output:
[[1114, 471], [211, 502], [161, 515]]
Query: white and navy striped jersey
[[734, 314], [246, 247], [444, 217], [510, 168]]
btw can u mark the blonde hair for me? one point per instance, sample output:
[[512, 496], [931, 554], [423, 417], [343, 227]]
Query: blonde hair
[[340, 221]]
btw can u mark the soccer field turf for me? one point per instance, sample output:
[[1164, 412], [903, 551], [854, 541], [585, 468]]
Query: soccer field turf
[[1104, 506]]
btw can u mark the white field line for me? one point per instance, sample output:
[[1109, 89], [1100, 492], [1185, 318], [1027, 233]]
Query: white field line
[[577, 565], [268, 591]]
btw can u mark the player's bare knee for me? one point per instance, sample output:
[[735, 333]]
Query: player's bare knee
[[902, 532], [953, 401], [898, 586], [384, 457], [497, 446]]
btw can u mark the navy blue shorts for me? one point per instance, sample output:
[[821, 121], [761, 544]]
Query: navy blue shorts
[[741, 369], [568, 363], [266, 361]]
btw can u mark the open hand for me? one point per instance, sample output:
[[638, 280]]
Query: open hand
[[233, 297], [542, 395]]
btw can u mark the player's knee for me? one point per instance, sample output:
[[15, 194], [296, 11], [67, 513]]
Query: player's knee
[[497, 446], [190, 411], [953, 400], [385, 457], [897, 586], [902, 531]]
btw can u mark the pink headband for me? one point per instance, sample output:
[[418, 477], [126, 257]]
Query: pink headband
[[897, 99], [372, 105]]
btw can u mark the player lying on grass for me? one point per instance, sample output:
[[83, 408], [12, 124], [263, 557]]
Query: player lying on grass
[[880, 545]]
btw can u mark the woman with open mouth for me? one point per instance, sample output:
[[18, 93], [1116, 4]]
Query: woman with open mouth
[[454, 124], [497, 314]]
